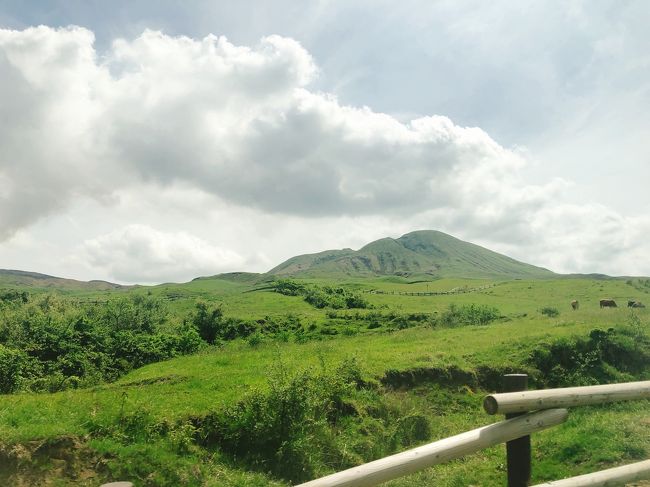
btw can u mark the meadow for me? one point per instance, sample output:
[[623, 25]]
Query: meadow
[[288, 380]]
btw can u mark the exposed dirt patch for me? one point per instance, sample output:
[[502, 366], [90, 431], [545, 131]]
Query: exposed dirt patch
[[46, 462], [483, 377], [167, 379]]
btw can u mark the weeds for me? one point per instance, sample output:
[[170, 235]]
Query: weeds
[[550, 311], [472, 314]]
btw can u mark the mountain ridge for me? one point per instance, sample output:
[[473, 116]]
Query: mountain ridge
[[427, 254], [422, 252]]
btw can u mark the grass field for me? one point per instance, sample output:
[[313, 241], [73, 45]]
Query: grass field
[[155, 425]]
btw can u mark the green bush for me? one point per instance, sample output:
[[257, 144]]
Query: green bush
[[13, 296], [279, 429], [472, 314], [322, 297], [288, 287], [208, 322], [550, 311], [254, 339], [602, 357], [51, 344], [15, 368]]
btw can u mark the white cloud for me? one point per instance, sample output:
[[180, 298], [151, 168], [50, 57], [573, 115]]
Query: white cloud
[[139, 253], [234, 121], [49, 151], [257, 152]]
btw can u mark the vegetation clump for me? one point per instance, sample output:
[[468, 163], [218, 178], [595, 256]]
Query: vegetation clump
[[306, 423], [603, 357], [472, 314], [550, 311], [51, 344], [322, 296], [13, 295]]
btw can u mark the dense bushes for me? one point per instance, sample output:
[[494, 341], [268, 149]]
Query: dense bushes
[[605, 356], [277, 430], [208, 323], [49, 344], [13, 295], [15, 368], [288, 287], [306, 423], [337, 298], [473, 314], [322, 297]]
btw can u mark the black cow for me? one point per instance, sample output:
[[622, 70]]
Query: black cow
[[608, 303], [635, 304]]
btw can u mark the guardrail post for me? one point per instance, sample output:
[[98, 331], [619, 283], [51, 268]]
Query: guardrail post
[[517, 451]]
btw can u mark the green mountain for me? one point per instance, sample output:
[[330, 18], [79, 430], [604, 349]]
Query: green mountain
[[427, 252], [9, 277]]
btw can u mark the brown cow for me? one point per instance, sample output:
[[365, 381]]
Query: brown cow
[[575, 304], [607, 303]]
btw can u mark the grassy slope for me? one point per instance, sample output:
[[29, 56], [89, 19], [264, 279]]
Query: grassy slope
[[193, 385], [197, 383]]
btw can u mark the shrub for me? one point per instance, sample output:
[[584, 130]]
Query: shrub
[[14, 296], [50, 343], [322, 297], [279, 429], [604, 356], [14, 369], [255, 339], [318, 299], [208, 322], [288, 287], [468, 315], [550, 311]]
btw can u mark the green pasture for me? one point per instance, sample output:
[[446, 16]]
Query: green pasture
[[175, 391], [514, 298]]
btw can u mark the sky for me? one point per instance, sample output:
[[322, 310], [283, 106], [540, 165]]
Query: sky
[[147, 142]]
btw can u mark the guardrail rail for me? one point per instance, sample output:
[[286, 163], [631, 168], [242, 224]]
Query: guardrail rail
[[526, 412]]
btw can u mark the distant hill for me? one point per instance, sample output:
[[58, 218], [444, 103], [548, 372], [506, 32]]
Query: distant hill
[[422, 254], [427, 252], [9, 277], [231, 276]]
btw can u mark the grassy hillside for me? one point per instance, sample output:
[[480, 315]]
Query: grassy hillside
[[424, 253], [305, 391]]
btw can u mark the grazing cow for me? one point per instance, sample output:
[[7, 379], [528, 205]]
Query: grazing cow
[[575, 304], [635, 304], [607, 303]]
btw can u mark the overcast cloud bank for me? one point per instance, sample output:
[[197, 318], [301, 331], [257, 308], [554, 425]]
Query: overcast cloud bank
[[240, 125]]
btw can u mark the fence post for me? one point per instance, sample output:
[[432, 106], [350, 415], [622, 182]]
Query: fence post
[[517, 451]]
